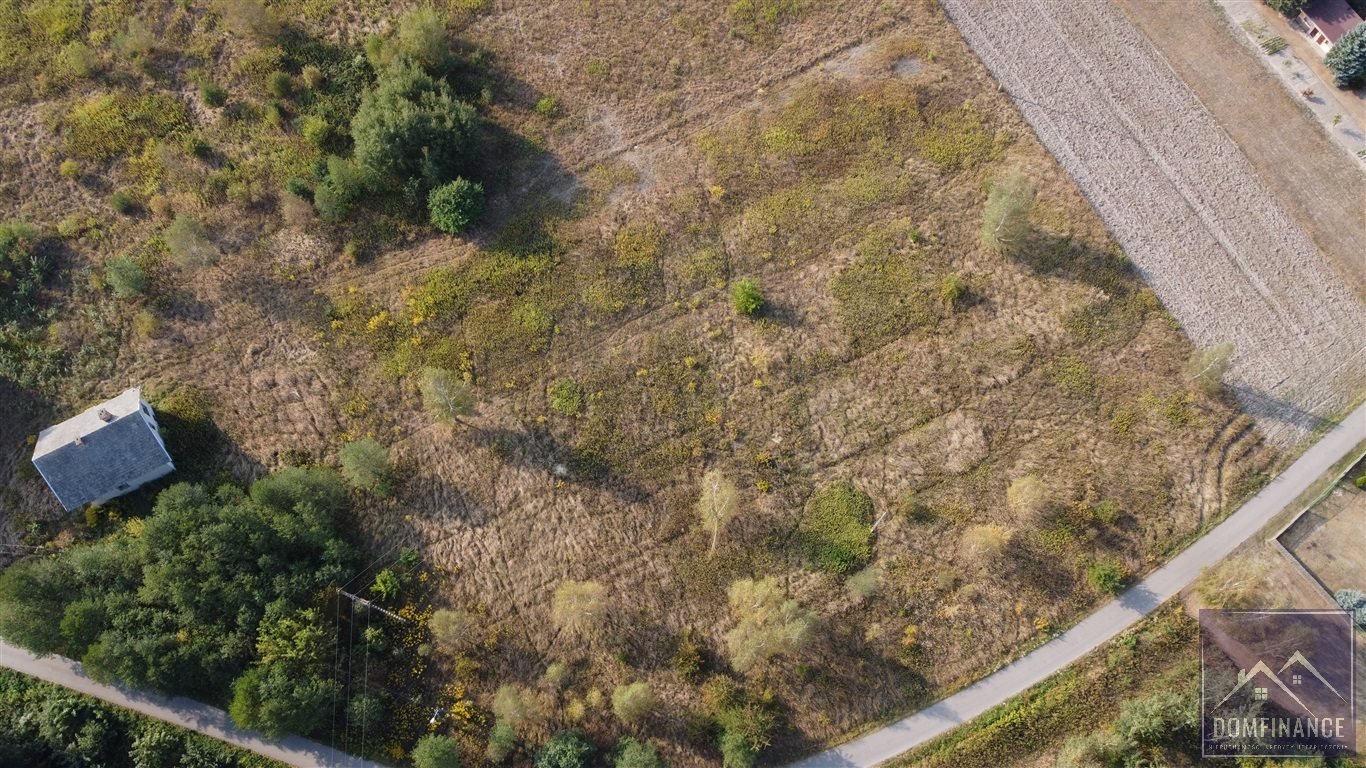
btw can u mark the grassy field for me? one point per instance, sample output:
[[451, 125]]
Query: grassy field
[[873, 416]]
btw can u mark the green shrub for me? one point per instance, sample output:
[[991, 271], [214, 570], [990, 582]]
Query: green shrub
[[1347, 58], [445, 396], [436, 751], [188, 243], [834, 530], [454, 206], [567, 397], [952, 289], [1107, 577], [632, 753], [55, 20], [125, 277], [566, 749], [745, 297], [365, 465], [312, 76], [123, 202], [502, 740], [340, 189], [634, 701], [280, 84], [77, 60], [69, 169], [315, 130], [212, 94], [299, 188], [1354, 602], [546, 106], [411, 126]]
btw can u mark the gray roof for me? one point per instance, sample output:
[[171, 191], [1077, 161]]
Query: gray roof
[[88, 459]]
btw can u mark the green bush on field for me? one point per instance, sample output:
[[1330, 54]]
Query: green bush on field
[[632, 753], [1347, 58], [567, 397], [566, 749], [834, 530], [339, 191], [77, 61], [212, 94], [125, 277], [365, 465], [745, 297], [436, 751], [1107, 577], [123, 202], [280, 84], [454, 206], [634, 701], [1005, 219], [188, 243]]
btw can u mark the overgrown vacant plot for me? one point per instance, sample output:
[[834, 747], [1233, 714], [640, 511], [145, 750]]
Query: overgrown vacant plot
[[553, 388]]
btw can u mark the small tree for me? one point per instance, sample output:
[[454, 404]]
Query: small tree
[[365, 465], [1347, 58], [387, 584], [446, 398], [125, 277], [1005, 220], [340, 189], [566, 749], [717, 504], [280, 84], [580, 607], [768, 623], [634, 701], [454, 630], [411, 126], [436, 751], [453, 207], [746, 297], [188, 243], [1355, 602], [421, 36], [985, 542], [502, 740], [1207, 367], [1027, 497]]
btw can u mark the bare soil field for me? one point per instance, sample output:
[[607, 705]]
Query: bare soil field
[[1183, 201], [1330, 539], [1302, 168]]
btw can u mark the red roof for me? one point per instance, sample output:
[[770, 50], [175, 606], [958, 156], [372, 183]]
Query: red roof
[[1334, 18]]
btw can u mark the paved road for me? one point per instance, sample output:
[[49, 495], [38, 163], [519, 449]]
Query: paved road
[[210, 721], [1110, 620]]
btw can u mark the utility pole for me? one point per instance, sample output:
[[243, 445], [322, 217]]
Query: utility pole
[[369, 604]]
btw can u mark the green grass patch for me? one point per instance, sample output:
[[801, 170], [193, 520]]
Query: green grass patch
[[885, 293], [116, 124], [834, 530]]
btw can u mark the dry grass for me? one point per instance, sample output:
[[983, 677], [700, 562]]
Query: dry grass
[[852, 192]]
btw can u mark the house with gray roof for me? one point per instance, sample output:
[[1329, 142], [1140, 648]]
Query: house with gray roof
[[105, 451]]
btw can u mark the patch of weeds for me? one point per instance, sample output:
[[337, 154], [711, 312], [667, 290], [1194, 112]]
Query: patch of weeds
[[116, 124], [834, 530], [884, 293], [758, 20], [1072, 374], [957, 139], [567, 397]]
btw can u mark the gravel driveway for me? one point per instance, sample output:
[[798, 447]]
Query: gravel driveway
[[1183, 202]]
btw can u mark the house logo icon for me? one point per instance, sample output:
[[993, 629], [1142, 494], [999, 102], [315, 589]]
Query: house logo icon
[[1277, 683]]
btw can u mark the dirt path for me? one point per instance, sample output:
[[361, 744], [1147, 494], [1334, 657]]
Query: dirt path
[[1183, 202]]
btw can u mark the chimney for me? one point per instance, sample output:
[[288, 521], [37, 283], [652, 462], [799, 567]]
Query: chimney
[[105, 415]]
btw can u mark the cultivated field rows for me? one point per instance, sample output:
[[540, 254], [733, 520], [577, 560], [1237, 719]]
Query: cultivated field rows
[[1183, 202]]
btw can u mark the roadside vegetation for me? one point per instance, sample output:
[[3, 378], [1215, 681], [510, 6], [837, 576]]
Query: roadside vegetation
[[688, 457]]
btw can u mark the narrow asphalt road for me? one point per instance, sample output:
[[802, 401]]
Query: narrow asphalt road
[[1107, 622], [210, 721]]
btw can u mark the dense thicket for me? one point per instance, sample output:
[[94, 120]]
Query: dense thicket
[[211, 588], [43, 725]]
